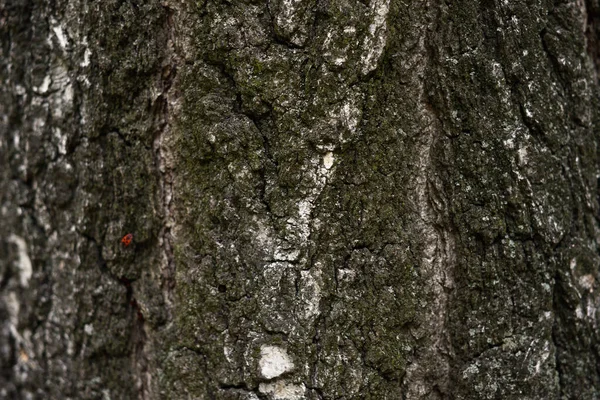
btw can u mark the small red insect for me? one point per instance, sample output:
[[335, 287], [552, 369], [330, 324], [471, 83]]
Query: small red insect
[[127, 239]]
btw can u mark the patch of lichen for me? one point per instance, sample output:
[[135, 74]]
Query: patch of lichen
[[369, 274], [371, 303], [220, 164], [221, 155]]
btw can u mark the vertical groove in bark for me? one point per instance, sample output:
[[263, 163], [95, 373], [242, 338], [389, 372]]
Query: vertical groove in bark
[[428, 375]]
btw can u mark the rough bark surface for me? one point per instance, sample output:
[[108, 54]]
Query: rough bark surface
[[329, 199]]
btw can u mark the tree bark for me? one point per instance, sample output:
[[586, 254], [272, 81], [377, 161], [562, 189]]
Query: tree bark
[[329, 199]]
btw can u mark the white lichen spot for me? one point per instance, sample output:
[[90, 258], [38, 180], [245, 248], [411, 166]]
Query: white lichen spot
[[579, 311], [60, 35], [349, 30], [86, 58], [38, 125], [351, 115], [13, 307], [376, 38], [68, 93], [62, 98], [522, 155], [287, 19], [591, 309], [546, 352], [20, 90], [88, 329], [281, 254], [61, 141], [43, 88], [497, 71], [263, 235], [546, 287], [311, 291], [305, 207], [573, 262], [347, 114], [587, 282], [346, 275], [228, 344], [328, 160], [24, 262], [227, 351], [106, 394], [283, 390], [274, 361], [470, 371]]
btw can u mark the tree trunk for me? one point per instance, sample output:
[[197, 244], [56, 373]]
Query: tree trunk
[[329, 199]]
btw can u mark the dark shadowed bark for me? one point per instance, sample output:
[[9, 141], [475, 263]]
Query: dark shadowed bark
[[329, 199]]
